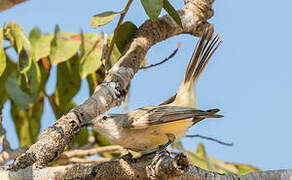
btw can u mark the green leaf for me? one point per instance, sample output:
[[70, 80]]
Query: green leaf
[[64, 46], [2, 54], [34, 79], [93, 60], [223, 167], [201, 152], [95, 79], [125, 34], [27, 122], [115, 56], [16, 94], [30, 81], [172, 12], [195, 159], [15, 34], [244, 168], [81, 139], [68, 80], [103, 18], [45, 71], [40, 43], [10, 67], [92, 83], [68, 84], [24, 60], [58, 109], [152, 8], [201, 160]]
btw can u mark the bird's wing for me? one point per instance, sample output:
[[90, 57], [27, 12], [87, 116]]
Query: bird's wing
[[154, 115]]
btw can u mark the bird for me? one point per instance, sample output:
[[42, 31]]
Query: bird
[[148, 127]]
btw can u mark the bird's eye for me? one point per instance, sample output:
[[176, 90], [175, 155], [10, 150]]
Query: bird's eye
[[104, 117]]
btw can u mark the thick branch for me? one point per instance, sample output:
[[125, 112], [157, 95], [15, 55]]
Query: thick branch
[[6, 4], [166, 168], [111, 92]]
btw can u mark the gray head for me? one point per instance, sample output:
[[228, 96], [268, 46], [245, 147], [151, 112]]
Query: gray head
[[107, 123], [110, 126]]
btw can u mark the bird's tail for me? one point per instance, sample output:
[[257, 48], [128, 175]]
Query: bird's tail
[[202, 54], [211, 113]]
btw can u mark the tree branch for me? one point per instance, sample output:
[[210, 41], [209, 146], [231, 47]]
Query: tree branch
[[164, 60], [6, 4], [70, 156], [93, 151], [166, 168], [110, 93], [209, 138]]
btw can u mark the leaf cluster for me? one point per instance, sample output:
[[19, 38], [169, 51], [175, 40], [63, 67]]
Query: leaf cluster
[[23, 80]]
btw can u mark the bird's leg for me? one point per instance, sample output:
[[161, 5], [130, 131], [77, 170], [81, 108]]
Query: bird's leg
[[160, 154], [171, 139], [127, 157], [161, 148]]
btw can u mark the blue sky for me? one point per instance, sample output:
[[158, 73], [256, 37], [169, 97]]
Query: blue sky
[[249, 77]]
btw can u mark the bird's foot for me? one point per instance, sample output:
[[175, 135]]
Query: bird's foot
[[127, 157]]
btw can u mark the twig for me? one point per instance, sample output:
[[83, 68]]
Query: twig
[[126, 102], [7, 47], [91, 143], [71, 156], [88, 152], [104, 53], [115, 35], [209, 138], [163, 61], [89, 52], [7, 153]]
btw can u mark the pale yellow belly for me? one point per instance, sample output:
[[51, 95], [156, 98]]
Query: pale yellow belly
[[152, 137]]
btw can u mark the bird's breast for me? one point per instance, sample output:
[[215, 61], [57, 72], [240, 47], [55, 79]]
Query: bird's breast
[[151, 137]]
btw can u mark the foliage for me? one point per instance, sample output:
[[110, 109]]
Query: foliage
[[103, 18], [201, 159], [23, 81], [76, 56], [152, 8]]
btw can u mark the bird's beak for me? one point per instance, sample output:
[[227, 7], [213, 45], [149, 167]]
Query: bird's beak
[[87, 123]]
